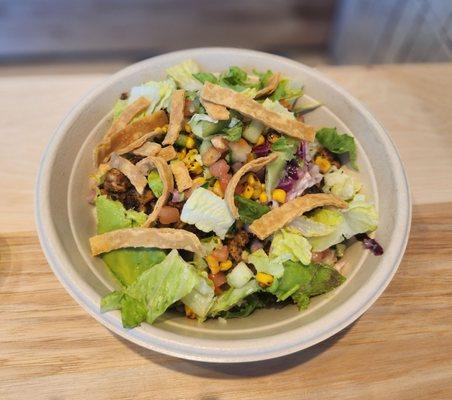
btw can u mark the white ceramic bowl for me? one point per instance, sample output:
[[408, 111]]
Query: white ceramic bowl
[[65, 220]]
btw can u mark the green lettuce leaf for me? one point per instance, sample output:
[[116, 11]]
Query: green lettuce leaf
[[359, 217], [162, 285], [205, 77], [232, 297], [157, 92], [133, 311], [277, 107], [183, 75], [155, 183], [200, 299], [291, 243], [287, 90], [234, 130], [287, 146], [118, 108], [272, 265], [111, 301], [250, 210], [207, 212], [341, 184], [247, 307], [308, 227], [125, 264], [338, 143]]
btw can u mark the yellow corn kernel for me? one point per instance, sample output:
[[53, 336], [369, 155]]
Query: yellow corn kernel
[[264, 279], [189, 313], [190, 143], [272, 137], [260, 140], [187, 128], [191, 156], [200, 180], [250, 179], [248, 192], [250, 157], [217, 188], [263, 198], [279, 195], [165, 128], [194, 167], [257, 192], [323, 164], [213, 264], [225, 265], [182, 154]]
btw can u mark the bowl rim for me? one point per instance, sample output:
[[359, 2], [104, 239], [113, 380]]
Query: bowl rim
[[207, 350]]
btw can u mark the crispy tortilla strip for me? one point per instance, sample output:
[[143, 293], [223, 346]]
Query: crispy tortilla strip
[[272, 84], [130, 170], [181, 175], [215, 111], [147, 149], [167, 153], [128, 114], [253, 166], [161, 238], [131, 136], [176, 116], [251, 108], [281, 216], [145, 165]]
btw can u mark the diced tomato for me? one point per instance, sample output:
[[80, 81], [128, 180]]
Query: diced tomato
[[218, 280], [188, 108], [224, 180], [239, 150], [219, 169], [168, 215], [221, 254]]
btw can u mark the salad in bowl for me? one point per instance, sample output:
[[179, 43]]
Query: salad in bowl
[[214, 198]]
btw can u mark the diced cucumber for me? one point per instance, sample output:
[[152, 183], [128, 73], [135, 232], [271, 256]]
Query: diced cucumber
[[304, 105], [181, 140], [253, 131], [203, 129], [239, 276]]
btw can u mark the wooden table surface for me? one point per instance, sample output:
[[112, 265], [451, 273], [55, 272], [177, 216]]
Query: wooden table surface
[[400, 349]]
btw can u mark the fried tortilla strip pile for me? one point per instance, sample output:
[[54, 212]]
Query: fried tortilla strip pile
[[161, 238], [131, 137], [277, 218], [145, 165], [176, 117], [253, 166], [272, 84], [215, 111], [130, 170], [127, 115], [167, 153], [251, 108], [181, 175], [147, 149]]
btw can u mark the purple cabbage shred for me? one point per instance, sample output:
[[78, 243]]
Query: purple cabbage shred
[[370, 244], [262, 150]]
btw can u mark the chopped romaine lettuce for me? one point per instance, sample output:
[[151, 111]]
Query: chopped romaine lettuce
[[277, 107], [247, 307], [287, 90], [308, 227], [338, 143], [163, 284], [183, 74], [250, 210], [232, 297], [125, 264], [155, 183], [272, 265], [200, 299], [286, 145], [359, 217], [290, 242], [205, 77], [239, 276], [158, 93], [234, 130], [118, 108], [111, 301], [207, 212], [341, 184]]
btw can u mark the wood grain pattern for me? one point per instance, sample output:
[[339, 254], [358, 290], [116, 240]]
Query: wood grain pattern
[[51, 349], [400, 349]]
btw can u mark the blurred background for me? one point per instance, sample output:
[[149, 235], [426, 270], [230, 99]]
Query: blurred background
[[61, 36]]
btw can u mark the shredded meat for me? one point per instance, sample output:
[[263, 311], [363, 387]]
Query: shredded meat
[[116, 182], [237, 244]]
